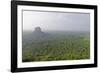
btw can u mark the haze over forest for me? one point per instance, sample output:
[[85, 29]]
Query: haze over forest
[[55, 36], [56, 21]]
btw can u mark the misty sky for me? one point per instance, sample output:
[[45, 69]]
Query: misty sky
[[56, 21]]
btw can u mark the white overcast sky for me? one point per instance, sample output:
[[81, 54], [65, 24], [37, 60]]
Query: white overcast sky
[[56, 21]]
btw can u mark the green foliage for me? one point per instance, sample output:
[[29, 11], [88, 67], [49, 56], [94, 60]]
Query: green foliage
[[57, 46]]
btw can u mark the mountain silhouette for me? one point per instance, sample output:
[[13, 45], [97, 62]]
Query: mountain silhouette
[[38, 32]]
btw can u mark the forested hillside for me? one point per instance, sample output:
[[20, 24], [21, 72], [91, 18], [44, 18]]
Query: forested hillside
[[55, 45]]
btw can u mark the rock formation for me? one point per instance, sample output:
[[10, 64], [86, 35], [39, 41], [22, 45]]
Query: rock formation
[[37, 29]]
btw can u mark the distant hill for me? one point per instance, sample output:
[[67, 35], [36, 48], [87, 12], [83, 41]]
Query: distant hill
[[38, 32]]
